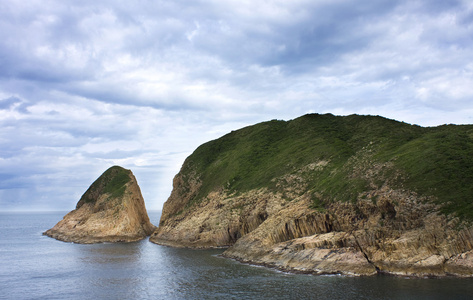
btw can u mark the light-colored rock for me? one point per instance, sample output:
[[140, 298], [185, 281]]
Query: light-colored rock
[[387, 230], [104, 215], [218, 221]]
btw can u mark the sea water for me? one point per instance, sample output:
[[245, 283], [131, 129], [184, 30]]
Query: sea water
[[33, 266]]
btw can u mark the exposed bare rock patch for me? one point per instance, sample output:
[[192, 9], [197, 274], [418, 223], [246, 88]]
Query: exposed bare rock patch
[[355, 195], [387, 230], [111, 210]]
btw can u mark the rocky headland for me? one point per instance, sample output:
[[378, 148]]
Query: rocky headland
[[355, 195], [111, 210]]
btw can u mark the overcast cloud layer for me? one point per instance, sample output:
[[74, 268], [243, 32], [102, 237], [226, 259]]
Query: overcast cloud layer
[[85, 85]]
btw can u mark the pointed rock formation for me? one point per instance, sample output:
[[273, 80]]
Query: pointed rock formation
[[111, 210]]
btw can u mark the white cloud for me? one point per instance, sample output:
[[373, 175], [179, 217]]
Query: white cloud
[[94, 84]]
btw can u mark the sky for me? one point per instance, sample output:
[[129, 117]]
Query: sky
[[85, 85]]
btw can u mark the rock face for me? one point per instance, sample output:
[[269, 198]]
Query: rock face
[[359, 216], [360, 239], [111, 210], [398, 233]]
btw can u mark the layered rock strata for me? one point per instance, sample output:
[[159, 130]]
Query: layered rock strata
[[386, 230], [360, 239], [355, 195], [111, 210]]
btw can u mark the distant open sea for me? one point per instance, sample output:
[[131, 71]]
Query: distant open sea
[[33, 266]]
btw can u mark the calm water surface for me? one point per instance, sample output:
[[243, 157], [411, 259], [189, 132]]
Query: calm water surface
[[33, 266]]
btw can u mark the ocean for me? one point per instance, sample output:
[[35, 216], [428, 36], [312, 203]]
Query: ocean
[[33, 266]]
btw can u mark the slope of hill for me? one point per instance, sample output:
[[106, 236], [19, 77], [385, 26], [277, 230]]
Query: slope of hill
[[328, 194]]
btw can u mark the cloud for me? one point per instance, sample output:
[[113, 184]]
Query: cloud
[[142, 84]]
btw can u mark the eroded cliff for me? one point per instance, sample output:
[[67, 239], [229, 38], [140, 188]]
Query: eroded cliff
[[355, 202], [111, 210]]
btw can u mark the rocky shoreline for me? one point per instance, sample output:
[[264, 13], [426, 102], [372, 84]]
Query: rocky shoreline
[[354, 195], [399, 234]]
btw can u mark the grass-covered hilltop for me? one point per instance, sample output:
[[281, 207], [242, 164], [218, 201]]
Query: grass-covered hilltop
[[362, 185], [112, 182], [434, 161]]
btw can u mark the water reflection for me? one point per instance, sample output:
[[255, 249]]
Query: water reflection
[[38, 267], [147, 271], [121, 253]]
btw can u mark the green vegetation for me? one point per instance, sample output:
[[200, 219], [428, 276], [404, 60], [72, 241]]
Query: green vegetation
[[112, 181], [433, 161], [440, 163]]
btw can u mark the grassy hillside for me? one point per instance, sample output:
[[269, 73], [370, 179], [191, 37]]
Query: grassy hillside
[[112, 181], [433, 161]]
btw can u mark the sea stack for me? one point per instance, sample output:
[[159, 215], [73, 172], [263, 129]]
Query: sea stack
[[111, 210]]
